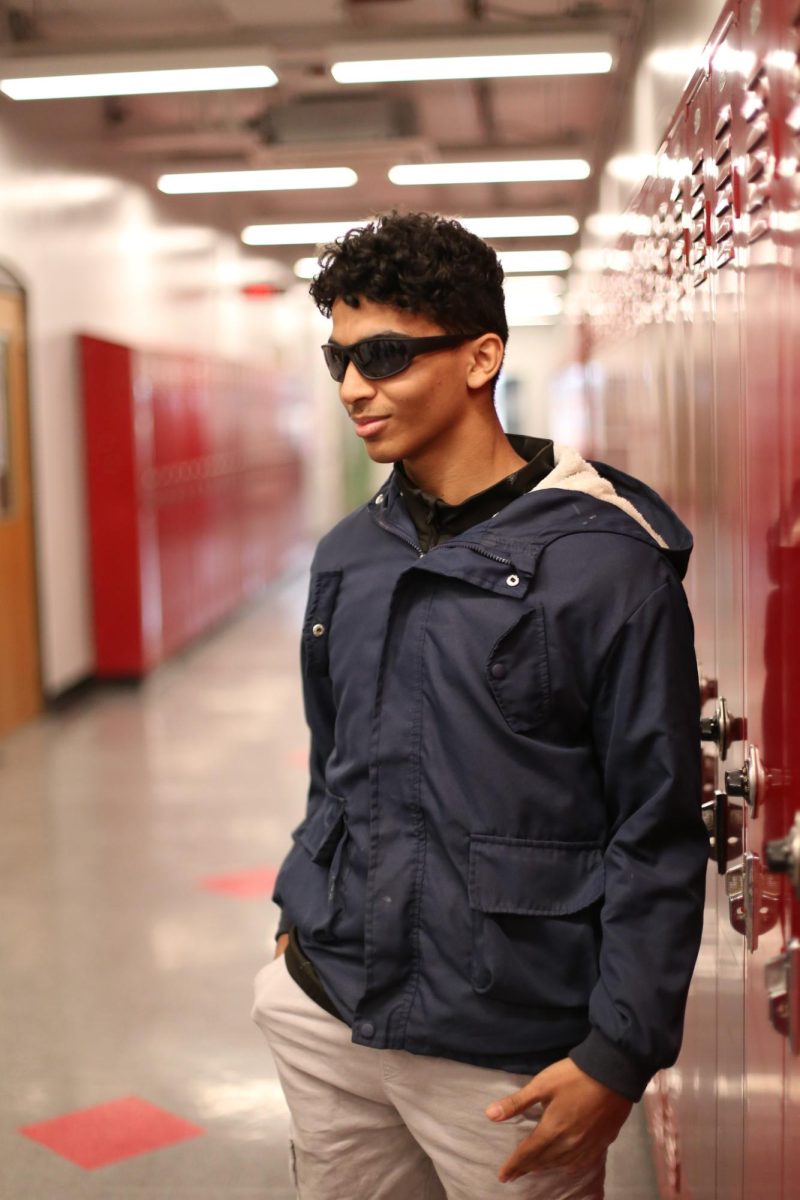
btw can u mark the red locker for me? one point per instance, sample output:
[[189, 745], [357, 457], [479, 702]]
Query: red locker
[[697, 343], [194, 496]]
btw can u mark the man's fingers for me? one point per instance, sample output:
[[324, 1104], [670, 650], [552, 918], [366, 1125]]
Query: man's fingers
[[517, 1102], [540, 1149]]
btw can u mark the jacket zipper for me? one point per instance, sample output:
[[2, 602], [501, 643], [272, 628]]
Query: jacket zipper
[[403, 538], [506, 562]]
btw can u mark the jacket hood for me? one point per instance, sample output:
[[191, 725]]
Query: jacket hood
[[577, 495], [628, 495]]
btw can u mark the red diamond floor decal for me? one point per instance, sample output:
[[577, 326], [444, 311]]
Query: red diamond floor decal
[[108, 1133], [257, 882]]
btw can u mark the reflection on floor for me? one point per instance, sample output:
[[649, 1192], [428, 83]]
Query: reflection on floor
[[141, 830]]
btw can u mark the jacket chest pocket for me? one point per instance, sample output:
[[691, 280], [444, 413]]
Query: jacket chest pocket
[[518, 672], [317, 622], [535, 920]]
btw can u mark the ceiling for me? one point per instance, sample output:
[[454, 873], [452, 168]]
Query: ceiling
[[308, 119]]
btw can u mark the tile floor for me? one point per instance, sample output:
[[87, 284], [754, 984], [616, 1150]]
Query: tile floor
[[141, 827]]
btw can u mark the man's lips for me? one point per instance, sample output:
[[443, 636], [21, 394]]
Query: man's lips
[[367, 426]]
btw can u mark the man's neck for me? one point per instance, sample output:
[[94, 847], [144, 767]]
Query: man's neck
[[465, 469]]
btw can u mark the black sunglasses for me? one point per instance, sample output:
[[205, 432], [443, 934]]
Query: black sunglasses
[[380, 357]]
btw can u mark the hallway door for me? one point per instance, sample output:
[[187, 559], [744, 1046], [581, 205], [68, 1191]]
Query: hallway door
[[20, 685]]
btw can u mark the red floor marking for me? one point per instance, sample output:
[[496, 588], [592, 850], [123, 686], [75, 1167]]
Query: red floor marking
[[258, 882], [108, 1133]]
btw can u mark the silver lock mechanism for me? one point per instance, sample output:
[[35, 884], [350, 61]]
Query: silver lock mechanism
[[722, 728], [723, 822], [783, 856], [751, 910], [749, 782], [782, 977]]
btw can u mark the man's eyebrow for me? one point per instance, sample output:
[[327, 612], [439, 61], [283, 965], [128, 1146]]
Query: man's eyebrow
[[387, 333]]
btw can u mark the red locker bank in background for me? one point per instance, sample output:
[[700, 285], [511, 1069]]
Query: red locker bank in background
[[194, 493], [694, 351]]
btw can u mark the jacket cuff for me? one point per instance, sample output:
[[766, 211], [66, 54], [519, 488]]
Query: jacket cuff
[[609, 1065], [284, 925]]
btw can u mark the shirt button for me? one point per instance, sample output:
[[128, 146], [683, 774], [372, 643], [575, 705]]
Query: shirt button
[[368, 1029], [512, 580], [318, 630], [498, 671]]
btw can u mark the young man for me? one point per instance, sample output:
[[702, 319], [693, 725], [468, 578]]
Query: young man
[[492, 909]]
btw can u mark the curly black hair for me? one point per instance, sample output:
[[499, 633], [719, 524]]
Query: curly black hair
[[420, 262]]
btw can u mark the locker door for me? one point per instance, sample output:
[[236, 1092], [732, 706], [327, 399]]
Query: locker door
[[782, 647], [719, 490], [764, 300], [20, 688]]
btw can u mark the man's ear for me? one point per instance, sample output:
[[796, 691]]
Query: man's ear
[[485, 360]]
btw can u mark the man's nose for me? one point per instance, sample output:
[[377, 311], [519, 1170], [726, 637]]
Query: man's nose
[[355, 387]]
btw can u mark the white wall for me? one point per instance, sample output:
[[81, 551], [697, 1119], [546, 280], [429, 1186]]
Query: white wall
[[96, 255]]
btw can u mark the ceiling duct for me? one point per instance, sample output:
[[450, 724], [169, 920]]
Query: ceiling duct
[[336, 118]]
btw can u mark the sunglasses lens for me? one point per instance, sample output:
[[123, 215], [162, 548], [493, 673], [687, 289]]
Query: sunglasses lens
[[336, 361], [379, 358]]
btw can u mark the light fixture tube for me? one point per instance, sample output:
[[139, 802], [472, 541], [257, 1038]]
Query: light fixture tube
[[138, 83], [521, 171], [521, 227], [314, 233], [473, 66], [516, 262], [195, 183], [306, 233]]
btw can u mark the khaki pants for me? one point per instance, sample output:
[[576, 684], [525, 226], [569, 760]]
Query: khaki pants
[[387, 1125]]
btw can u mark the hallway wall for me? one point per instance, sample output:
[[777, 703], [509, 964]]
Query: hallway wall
[[98, 254]]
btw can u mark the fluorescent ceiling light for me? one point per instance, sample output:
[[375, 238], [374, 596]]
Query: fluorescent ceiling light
[[137, 73], [138, 83], [523, 171], [306, 233], [520, 261], [539, 285], [257, 181], [521, 227], [471, 66], [306, 268], [614, 225], [633, 168], [520, 290], [314, 233], [679, 61]]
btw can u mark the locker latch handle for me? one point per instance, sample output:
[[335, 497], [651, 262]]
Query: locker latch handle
[[722, 728], [783, 855], [782, 976]]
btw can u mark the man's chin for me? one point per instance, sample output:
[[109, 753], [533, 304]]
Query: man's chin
[[380, 454]]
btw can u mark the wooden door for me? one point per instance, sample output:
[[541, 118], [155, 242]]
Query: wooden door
[[20, 684]]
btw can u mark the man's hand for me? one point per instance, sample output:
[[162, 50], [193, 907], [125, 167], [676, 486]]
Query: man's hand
[[281, 944], [580, 1121]]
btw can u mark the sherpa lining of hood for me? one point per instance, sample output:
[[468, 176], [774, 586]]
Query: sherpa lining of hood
[[573, 473]]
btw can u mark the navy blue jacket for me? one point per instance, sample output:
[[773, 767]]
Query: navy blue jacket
[[503, 858]]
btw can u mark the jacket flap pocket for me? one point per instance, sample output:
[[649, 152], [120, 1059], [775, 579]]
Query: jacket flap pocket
[[509, 875], [322, 831]]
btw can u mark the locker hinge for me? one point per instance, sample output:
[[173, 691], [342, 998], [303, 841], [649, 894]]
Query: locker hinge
[[782, 975], [752, 911]]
